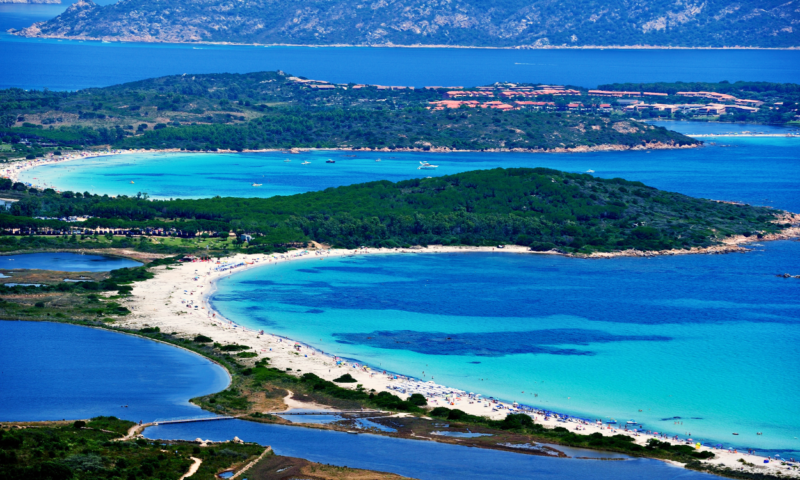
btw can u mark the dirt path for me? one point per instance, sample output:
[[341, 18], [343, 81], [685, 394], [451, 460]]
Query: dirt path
[[192, 469], [247, 467]]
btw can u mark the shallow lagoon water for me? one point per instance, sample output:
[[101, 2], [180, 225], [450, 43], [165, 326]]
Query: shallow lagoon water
[[65, 262], [418, 459], [51, 371]]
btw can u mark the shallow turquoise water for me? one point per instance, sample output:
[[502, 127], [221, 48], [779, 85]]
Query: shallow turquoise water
[[711, 339], [762, 171]]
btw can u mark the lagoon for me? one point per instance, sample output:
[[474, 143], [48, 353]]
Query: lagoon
[[419, 459], [52, 371], [65, 262]]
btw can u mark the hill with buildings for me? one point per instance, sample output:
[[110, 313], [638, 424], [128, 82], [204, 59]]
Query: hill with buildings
[[276, 110], [476, 23]]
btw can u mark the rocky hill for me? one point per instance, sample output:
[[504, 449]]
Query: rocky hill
[[499, 23]]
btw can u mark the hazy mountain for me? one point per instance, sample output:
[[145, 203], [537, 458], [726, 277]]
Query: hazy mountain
[[496, 23]]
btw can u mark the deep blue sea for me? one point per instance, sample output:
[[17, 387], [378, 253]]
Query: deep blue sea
[[71, 65], [423, 460], [52, 371], [65, 262]]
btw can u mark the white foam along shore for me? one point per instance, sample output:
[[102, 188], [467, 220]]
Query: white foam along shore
[[177, 300]]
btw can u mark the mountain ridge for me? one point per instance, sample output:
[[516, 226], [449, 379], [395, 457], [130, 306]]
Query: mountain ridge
[[449, 23]]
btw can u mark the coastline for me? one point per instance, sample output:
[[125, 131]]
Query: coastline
[[106, 39], [13, 170], [160, 302]]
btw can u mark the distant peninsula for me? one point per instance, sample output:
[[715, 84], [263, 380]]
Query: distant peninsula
[[30, 1], [459, 23], [275, 110]]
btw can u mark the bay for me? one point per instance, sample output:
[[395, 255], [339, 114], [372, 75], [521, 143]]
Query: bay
[[696, 345], [755, 170]]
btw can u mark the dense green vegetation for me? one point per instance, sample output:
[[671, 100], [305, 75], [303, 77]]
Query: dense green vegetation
[[717, 23], [273, 110], [541, 208], [87, 450]]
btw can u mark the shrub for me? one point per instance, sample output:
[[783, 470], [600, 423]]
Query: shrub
[[233, 348], [39, 304], [440, 412], [514, 421], [346, 378], [417, 399], [202, 339], [79, 424]]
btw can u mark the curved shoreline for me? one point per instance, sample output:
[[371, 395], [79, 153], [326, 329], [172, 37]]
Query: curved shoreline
[[200, 280], [14, 170]]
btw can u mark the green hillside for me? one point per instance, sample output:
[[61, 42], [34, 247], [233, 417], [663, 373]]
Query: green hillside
[[541, 208]]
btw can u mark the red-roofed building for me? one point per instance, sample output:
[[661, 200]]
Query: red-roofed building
[[535, 105], [610, 93]]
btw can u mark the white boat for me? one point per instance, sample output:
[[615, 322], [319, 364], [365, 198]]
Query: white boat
[[306, 163], [256, 185], [287, 160], [378, 160], [426, 166], [631, 422], [589, 171]]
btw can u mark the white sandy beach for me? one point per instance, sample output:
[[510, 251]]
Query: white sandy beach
[[176, 300]]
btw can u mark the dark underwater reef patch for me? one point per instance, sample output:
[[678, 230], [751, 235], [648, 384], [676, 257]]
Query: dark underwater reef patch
[[491, 344]]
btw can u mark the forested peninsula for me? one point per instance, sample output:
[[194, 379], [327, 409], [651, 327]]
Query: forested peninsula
[[544, 209], [275, 110], [463, 23]]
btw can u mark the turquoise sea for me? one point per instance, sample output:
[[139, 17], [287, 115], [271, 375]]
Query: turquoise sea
[[709, 339], [760, 170]]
